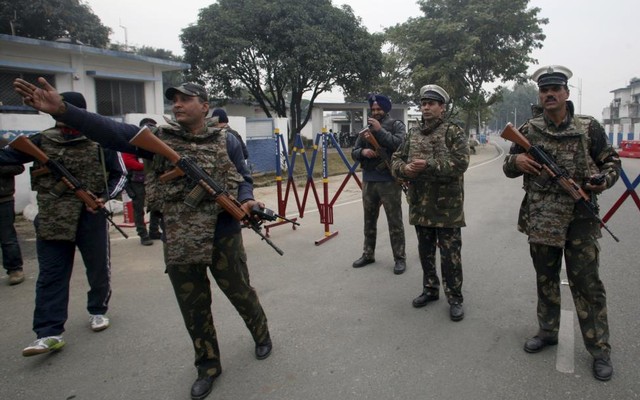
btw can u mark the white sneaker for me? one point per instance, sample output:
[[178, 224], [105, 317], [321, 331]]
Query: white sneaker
[[98, 322], [44, 345]]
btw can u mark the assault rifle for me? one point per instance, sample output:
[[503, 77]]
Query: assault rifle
[[556, 173], [145, 139], [67, 180], [269, 215], [380, 151]]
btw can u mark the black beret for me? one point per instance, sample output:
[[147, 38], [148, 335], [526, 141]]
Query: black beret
[[74, 98], [221, 114]]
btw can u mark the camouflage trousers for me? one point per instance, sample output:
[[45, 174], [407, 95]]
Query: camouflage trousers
[[193, 292], [388, 195], [449, 240], [589, 296]]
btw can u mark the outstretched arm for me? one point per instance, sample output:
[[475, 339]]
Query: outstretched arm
[[109, 133]]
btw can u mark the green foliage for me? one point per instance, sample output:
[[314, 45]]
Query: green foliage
[[463, 44], [157, 53], [53, 19], [394, 80], [280, 50], [514, 106]]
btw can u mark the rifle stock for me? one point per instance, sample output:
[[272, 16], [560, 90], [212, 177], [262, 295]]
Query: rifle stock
[[24, 145], [145, 139], [555, 172], [381, 153]]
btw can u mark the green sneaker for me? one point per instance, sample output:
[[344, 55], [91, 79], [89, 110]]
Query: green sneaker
[[44, 345]]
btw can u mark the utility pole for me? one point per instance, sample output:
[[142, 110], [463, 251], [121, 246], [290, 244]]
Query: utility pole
[[126, 40], [579, 87]]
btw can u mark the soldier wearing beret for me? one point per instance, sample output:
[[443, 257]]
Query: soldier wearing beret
[[379, 187], [555, 225], [196, 239], [433, 158], [65, 223]]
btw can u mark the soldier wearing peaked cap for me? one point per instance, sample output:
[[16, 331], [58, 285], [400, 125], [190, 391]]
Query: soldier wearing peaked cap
[[434, 157], [556, 227], [379, 188]]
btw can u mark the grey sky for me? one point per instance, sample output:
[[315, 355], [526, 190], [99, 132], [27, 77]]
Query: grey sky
[[596, 40]]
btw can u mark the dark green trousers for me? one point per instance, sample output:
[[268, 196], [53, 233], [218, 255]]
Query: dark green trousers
[[389, 196], [582, 262], [449, 240], [193, 292]]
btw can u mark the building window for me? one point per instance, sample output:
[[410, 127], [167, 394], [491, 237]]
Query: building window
[[10, 101], [117, 98]]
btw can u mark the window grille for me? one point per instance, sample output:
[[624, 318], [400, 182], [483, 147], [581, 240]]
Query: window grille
[[115, 98], [10, 101]]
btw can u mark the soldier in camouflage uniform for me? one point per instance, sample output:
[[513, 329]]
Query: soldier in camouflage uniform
[[196, 239], [379, 188], [553, 222], [433, 158], [64, 223]]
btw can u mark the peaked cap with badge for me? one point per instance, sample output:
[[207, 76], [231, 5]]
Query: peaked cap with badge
[[552, 75], [434, 92]]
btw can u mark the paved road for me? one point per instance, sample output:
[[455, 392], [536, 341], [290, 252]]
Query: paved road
[[341, 333]]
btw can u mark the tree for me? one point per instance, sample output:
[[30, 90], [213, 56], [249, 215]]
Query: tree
[[280, 51], [394, 80], [169, 78], [53, 19], [514, 106], [464, 44]]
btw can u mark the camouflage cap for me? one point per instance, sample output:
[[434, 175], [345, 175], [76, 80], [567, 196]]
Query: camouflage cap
[[188, 88]]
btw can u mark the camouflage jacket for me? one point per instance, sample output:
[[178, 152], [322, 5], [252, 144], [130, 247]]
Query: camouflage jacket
[[189, 232], [116, 135], [58, 217], [579, 146], [436, 195]]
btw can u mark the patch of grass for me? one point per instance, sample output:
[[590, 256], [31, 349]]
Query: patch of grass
[[335, 166]]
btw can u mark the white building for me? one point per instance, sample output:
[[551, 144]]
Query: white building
[[622, 117], [124, 86]]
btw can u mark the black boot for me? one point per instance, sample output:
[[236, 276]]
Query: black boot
[[424, 298], [456, 312], [400, 267], [202, 387], [263, 350], [362, 261], [602, 369], [537, 343]]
